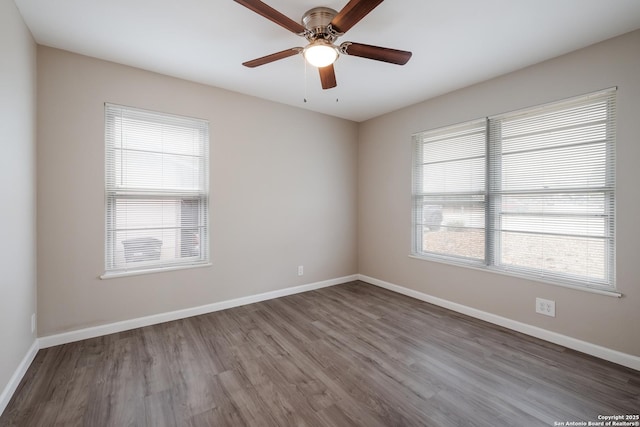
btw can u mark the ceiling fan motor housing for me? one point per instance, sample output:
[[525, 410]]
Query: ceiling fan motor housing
[[317, 21]]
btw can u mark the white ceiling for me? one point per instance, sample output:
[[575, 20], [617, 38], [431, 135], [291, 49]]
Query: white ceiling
[[455, 43]]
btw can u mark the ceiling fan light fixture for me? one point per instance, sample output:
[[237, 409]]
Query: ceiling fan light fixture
[[320, 53]]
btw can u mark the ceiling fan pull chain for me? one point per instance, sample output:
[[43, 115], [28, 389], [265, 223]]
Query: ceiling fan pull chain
[[305, 80]]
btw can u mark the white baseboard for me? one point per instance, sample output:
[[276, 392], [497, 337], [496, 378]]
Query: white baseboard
[[624, 359], [15, 379], [618, 357], [125, 325], [81, 334]]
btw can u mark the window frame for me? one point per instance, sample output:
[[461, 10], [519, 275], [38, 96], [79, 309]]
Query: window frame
[[419, 196], [493, 216], [156, 196]]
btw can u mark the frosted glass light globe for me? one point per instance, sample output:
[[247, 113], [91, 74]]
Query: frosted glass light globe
[[320, 53]]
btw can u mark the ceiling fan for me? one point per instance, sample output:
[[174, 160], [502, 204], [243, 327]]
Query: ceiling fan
[[322, 26]]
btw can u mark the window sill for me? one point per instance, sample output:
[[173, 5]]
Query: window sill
[[115, 275], [609, 293]]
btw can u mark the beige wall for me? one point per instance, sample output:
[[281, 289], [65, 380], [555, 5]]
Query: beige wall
[[384, 188], [289, 187], [17, 187], [283, 194]]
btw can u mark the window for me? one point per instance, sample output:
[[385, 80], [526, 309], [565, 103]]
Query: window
[[157, 202], [531, 193], [450, 191]]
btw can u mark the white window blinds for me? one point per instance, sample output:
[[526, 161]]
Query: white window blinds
[[449, 201], [157, 204], [547, 209], [553, 190]]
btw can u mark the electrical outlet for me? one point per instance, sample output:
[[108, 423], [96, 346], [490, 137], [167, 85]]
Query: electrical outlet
[[546, 307], [33, 323], [300, 270]]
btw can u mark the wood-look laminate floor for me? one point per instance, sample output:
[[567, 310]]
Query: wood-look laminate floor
[[347, 355]]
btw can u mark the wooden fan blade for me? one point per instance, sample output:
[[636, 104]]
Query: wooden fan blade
[[273, 57], [352, 13], [328, 77], [393, 56], [270, 13]]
